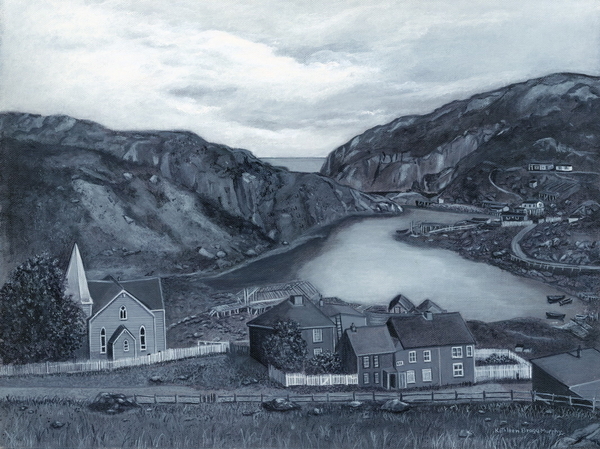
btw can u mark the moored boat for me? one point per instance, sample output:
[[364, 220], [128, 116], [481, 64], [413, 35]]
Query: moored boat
[[555, 298], [564, 302], [555, 316]]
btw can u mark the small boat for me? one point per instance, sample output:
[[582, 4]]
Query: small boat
[[555, 298], [581, 317], [564, 302], [555, 316]]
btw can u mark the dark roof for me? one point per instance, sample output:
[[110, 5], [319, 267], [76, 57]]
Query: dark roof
[[339, 309], [118, 332], [402, 301], [307, 315], [570, 370], [429, 306], [371, 340], [148, 291], [443, 329]]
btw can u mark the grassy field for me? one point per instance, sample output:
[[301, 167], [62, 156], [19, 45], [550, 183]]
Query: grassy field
[[65, 424]]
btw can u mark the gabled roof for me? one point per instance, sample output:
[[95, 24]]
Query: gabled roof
[[307, 315], [148, 291], [402, 301], [442, 329], [370, 340], [118, 332], [571, 370], [429, 306]]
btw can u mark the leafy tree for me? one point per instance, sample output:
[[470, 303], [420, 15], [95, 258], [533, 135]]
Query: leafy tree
[[285, 348], [38, 322], [325, 363]]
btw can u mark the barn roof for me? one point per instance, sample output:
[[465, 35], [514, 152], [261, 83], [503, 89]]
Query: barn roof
[[306, 314], [571, 370], [148, 291], [370, 340], [441, 329]]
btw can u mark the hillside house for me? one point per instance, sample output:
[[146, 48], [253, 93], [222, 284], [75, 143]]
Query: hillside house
[[124, 318], [513, 216], [563, 167], [432, 349], [540, 166], [342, 315], [369, 352], [534, 208], [429, 306], [575, 373], [318, 330]]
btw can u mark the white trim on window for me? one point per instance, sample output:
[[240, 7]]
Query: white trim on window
[[458, 370], [317, 351], [317, 335], [103, 341], [375, 378], [410, 377], [426, 375], [469, 351], [125, 345], [123, 313], [365, 378], [427, 355], [375, 361], [412, 357], [457, 352], [142, 338], [366, 363], [399, 362]]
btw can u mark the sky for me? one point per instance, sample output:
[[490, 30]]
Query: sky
[[279, 78]]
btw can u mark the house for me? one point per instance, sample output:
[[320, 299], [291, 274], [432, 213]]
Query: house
[[575, 373], [513, 216], [495, 207], [563, 167], [124, 318], [533, 183], [540, 166], [369, 352], [429, 306], [317, 329], [343, 315], [432, 349], [534, 208]]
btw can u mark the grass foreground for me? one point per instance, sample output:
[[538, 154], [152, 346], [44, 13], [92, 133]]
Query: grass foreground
[[54, 423]]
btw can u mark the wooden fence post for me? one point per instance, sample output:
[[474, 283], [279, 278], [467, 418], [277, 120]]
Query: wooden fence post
[[483, 395], [594, 404], [512, 395], [327, 396], [455, 395], [354, 395], [432, 396], [235, 397], [155, 400], [176, 399], [570, 400], [373, 396], [135, 398], [532, 396]]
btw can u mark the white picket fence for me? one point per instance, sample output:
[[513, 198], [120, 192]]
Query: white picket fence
[[520, 370], [294, 379], [202, 349]]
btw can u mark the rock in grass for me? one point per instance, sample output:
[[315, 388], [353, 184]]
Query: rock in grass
[[355, 404], [395, 406], [280, 405], [57, 424], [112, 403], [156, 379], [465, 434]]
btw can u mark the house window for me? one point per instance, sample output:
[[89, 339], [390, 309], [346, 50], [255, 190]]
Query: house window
[[469, 351], [103, 341], [427, 356], [366, 361], [399, 362], [410, 377], [426, 373], [125, 345], [412, 357], [375, 362], [365, 378], [317, 351], [457, 352], [376, 378], [142, 338], [123, 313], [457, 370], [317, 335]]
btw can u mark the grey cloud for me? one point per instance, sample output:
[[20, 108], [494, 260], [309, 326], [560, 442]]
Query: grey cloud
[[202, 92]]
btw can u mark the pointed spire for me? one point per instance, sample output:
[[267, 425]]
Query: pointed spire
[[77, 285]]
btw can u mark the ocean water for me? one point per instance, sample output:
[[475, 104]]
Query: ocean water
[[299, 164]]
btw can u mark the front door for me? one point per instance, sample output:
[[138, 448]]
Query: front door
[[393, 381], [401, 380]]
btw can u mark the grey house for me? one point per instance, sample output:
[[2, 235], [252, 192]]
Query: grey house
[[124, 318], [317, 329], [342, 315], [575, 373], [369, 352], [432, 349]]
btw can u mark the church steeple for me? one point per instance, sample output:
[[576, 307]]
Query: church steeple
[[77, 285]]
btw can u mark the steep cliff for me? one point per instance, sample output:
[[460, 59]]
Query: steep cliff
[[151, 201], [555, 117]]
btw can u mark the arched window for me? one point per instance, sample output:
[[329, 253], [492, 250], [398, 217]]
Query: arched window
[[103, 341], [125, 345], [123, 313], [142, 338]]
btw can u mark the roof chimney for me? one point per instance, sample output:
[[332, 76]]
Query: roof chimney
[[321, 302], [428, 315], [297, 300], [352, 327]]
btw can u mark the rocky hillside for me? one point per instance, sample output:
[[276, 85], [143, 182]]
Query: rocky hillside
[[552, 118], [140, 202]]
